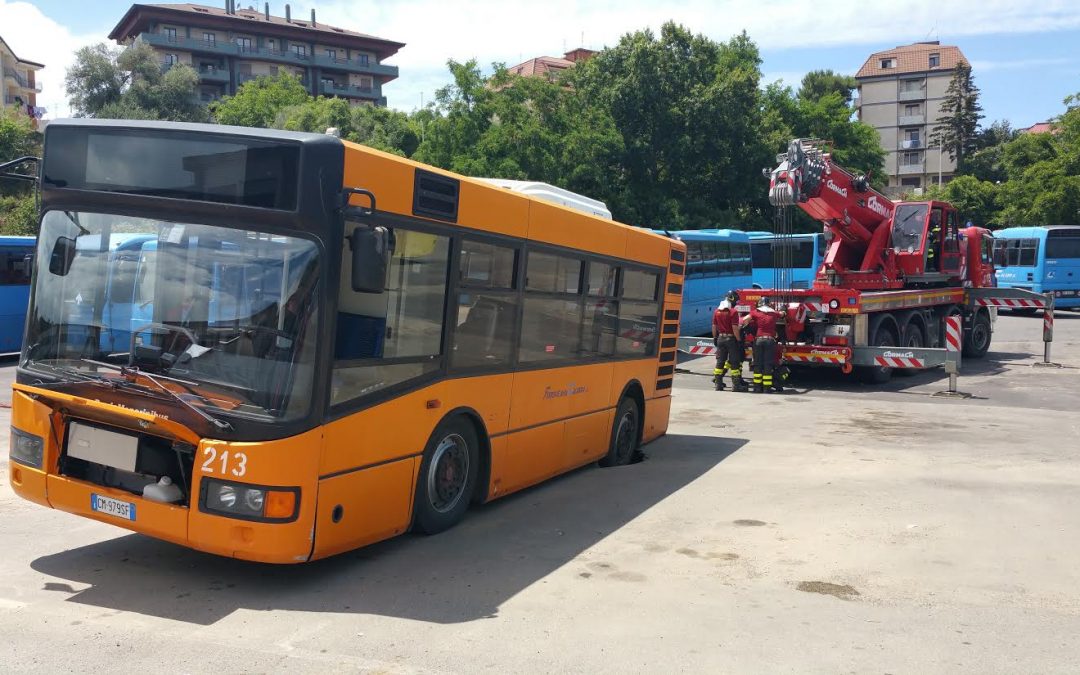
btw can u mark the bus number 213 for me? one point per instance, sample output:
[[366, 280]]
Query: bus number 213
[[219, 463]]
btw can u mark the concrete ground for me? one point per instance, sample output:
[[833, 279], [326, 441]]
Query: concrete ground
[[836, 528]]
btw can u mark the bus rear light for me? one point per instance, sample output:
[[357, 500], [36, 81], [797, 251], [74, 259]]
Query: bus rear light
[[26, 448], [249, 502]]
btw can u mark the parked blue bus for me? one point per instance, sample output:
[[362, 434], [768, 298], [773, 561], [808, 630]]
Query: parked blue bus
[[806, 253], [717, 261], [16, 264], [1044, 259]]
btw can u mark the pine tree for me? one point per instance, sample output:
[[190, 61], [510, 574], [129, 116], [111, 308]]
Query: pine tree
[[957, 131]]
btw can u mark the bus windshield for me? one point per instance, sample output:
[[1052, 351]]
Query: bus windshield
[[229, 312]]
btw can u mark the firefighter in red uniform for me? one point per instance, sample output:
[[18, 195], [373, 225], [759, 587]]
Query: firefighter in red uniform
[[729, 351], [765, 318]]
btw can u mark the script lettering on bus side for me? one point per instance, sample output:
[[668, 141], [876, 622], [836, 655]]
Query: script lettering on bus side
[[570, 390]]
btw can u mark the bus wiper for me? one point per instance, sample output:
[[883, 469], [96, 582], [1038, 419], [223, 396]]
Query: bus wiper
[[132, 372]]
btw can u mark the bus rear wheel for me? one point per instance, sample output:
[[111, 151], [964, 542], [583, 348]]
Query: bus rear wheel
[[448, 474], [624, 434]]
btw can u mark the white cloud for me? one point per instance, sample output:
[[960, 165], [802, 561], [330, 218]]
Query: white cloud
[[501, 31], [35, 37]]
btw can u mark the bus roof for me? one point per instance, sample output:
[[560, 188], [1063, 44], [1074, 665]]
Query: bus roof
[[6, 240], [1034, 231], [706, 235]]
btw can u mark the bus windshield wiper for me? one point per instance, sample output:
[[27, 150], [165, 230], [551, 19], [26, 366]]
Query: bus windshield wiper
[[131, 373]]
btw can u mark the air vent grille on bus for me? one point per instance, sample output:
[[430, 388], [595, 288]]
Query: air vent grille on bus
[[435, 196]]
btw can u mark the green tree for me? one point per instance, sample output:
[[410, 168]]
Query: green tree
[[131, 84], [18, 207], [380, 128], [975, 199], [957, 132], [258, 102], [687, 111], [818, 83]]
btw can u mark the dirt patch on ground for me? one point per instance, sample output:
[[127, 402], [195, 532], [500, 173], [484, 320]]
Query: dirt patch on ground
[[844, 592]]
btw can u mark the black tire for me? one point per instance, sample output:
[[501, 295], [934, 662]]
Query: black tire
[[914, 338], [1026, 312], [884, 336], [448, 475], [977, 339], [623, 447]]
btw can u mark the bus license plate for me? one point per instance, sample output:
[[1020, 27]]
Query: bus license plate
[[112, 507]]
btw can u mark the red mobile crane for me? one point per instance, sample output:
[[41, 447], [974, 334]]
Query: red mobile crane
[[891, 275]]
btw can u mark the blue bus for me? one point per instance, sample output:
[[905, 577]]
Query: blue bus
[[16, 264], [717, 261], [806, 253], [1044, 259]]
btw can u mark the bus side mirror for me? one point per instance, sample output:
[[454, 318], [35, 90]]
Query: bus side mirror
[[63, 252], [371, 251]]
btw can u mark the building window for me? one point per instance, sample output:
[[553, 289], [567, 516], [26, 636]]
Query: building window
[[935, 60], [911, 158], [169, 33], [300, 51], [912, 109], [911, 138], [362, 59], [210, 39], [888, 63], [331, 54], [170, 60], [365, 83], [911, 182], [911, 85], [271, 44], [244, 44]]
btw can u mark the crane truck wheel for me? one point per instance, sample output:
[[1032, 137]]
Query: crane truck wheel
[[884, 333], [914, 338], [977, 338]]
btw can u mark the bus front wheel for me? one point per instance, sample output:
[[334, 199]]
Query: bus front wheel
[[624, 434], [448, 475]]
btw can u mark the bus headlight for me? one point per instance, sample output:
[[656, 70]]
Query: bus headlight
[[26, 448], [249, 502]]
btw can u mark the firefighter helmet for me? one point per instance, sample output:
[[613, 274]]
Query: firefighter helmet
[[733, 297]]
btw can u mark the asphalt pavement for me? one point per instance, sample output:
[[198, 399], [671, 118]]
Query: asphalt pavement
[[835, 528]]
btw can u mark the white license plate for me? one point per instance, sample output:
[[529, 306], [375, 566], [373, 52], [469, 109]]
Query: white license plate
[[112, 507]]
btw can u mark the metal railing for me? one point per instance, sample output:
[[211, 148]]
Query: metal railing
[[918, 167], [21, 79], [911, 120], [912, 94], [910, 144], [348, 90]]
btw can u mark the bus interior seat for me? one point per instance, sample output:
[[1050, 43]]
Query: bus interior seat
[[359, 336]]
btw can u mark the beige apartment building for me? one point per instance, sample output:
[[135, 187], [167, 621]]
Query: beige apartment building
[[900, 95], [229, 45], [20, 85]]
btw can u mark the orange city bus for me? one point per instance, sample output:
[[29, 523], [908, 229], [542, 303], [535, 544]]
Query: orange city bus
[[280, 346]]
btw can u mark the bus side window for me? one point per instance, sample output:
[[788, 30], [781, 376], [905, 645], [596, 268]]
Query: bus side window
[[1029, 252], [384, 339]]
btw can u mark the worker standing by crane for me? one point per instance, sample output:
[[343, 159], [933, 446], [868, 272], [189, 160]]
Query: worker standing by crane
[[765, 318], [728, 341]]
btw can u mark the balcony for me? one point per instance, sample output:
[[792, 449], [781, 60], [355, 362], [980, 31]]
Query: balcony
[[350, 91], [216, 75], [162, 41], [916, 168], [910, 144], [918, 94], [911, 120], [21, 80]]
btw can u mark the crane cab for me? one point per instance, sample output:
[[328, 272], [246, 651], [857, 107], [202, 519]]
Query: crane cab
[[926, 241]]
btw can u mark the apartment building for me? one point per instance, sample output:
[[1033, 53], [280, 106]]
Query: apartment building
[[229, 45], [900, 95], [20, 85]]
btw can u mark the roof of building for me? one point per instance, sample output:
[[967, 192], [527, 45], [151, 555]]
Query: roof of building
[[22, 61], [136, 18], [541, 65], [914, 58], [1039, 128]]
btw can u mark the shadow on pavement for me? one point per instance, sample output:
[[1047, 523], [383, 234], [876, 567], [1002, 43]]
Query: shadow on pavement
[[460, 575]]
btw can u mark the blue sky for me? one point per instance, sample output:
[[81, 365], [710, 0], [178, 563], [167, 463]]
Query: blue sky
[[1025, 56]]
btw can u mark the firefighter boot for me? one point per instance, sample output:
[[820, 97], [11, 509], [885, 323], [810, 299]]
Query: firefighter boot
[[767, 384], [738, 384], [718, 379], [758, 386]]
